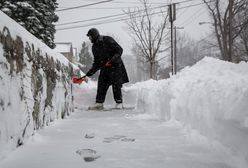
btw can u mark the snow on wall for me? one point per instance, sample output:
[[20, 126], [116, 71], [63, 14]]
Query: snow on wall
[[211, 97], [35, 85]]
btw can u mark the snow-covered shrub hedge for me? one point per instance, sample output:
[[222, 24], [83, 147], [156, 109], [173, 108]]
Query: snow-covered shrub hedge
[[35, 84]]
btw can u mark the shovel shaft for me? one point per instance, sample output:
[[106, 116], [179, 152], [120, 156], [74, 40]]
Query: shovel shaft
[[82, 77]]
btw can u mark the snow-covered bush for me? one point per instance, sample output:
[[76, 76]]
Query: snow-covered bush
[[35, 84]]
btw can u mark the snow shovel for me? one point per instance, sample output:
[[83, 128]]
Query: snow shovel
[[79, 80]]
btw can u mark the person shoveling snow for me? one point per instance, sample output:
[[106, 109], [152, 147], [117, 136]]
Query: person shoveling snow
[[107, 58]]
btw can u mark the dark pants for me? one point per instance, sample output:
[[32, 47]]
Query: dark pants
[[102, 91]]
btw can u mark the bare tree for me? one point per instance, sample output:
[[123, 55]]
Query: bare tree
[[241, 22], [187, 51], [142, 66], [147, 35], [223, 13]]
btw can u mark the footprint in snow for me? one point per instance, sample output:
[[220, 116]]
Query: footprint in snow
[[128, 139], [118, 137], [88, 155], [89, 136], [113, 138]]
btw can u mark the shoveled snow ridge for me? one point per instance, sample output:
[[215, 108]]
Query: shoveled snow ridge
[[210, 97]]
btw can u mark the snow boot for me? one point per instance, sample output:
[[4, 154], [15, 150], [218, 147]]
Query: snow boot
[[96, 106], [119, 106]]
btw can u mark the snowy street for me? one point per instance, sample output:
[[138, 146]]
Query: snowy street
[[120, 139]]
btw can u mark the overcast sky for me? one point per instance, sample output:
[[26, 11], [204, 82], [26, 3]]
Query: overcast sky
[[188, 16]]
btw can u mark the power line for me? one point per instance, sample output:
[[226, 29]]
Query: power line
[[123, 18], [117, 19], [196, 4], [93, 24], [105, 17], [192, 17], [184, 10], [110, 8], [76, 7], [184, 1], [123, 7], [121, 2], [80, 21], [129, 2], [150, 3], [106, 21], [110, 16]]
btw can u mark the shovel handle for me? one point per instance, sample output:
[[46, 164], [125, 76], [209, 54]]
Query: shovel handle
[[82, 77]]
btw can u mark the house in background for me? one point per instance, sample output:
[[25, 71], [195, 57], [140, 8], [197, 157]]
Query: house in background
[[66, 49]]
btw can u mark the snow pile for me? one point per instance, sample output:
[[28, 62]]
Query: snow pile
[[152, 98], [210, 97], [34, 91], [212, 89]]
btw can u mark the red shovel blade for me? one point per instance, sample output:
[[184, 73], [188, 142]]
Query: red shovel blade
[[77, 80]]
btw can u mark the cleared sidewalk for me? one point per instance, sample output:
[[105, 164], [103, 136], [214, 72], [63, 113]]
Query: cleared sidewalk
[[116, 139]]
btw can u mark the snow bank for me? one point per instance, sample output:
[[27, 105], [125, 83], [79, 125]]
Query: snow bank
[[152, 98], [35, 85], [211, 97]]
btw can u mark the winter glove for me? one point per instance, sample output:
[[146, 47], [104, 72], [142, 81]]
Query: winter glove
[[108, 64]]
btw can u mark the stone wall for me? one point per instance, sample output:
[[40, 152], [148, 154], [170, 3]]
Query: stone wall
[[35, 88]]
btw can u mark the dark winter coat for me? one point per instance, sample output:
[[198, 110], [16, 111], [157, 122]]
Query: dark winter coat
[[106, 49]]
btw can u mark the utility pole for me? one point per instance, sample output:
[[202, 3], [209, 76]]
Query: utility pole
[[175, 52], [172, 18]]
